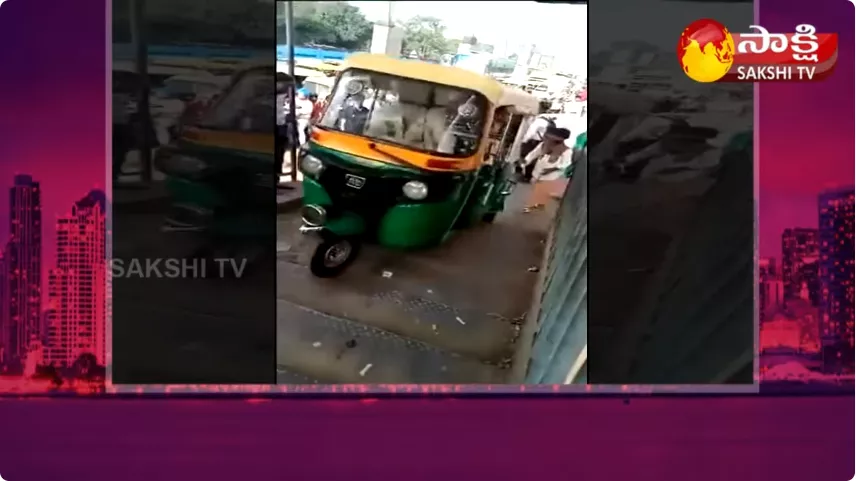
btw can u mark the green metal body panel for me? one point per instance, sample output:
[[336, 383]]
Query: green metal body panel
[[249, 221], [481, 200], [202, 193], [185, 191], [409, 224], [346, 224], [313, 193], [413, 226]]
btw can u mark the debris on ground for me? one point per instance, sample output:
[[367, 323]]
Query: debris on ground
[[429, 291], [386, 274], [534, 269], [365, 369], [348, 345], [460, 320], [434, 328], [316, 344]]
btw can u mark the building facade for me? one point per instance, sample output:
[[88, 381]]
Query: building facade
[[4, 310], [770, 288], [77, 285], [23, 269], [836, 279], [799, 266]]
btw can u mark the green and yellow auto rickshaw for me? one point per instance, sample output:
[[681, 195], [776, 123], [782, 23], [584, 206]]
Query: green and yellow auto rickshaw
[[405, 153], [220, 170]]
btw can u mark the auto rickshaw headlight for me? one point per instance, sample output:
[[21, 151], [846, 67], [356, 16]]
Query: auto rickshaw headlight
[[311, 165], [415, 190], [313, 215]]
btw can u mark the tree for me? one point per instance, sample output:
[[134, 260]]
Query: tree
[[335, 24], [86, 367], [426, 36], [49, 372], [242, 24]]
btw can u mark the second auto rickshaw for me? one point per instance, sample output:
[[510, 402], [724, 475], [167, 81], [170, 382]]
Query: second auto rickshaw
[[220, 170], [405, 153]]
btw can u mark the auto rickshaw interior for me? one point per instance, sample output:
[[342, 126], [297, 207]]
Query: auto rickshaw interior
[[220, 171], [247, 106], [421, 116]]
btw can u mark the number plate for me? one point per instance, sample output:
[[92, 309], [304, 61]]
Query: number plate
[[354, 182]]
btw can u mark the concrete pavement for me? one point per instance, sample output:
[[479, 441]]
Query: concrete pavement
[[451, 314], [187, 330], [446, 315]]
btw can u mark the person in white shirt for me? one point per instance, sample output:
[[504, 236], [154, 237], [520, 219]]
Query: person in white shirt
[[303, 113], [531, 140], [548, 161], [385, 121], [537, 129]]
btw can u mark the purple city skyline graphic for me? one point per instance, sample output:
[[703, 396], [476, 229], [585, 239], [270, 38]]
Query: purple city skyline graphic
[[52, 327], [72, 160], [56, 134], [805, 297]]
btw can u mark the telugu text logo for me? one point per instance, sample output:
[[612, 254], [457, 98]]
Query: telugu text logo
[[708, 52]]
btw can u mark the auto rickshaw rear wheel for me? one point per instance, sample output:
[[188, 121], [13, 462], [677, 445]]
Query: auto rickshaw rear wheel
[[489, 217], [333, 256]]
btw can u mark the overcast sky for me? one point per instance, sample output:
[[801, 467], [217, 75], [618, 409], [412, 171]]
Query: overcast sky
[[562, 30], [557, 29], [663, 22]]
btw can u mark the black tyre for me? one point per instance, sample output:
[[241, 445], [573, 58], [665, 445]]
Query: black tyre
[[489, 217], [333, 256]]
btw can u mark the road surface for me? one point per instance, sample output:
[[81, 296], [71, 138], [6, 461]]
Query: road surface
[[446, 315]]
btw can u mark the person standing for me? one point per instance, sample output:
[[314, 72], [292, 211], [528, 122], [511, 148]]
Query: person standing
[[317, 109], [533, 137], [284, 127], [303, 107], [122, 131], [548, 162]]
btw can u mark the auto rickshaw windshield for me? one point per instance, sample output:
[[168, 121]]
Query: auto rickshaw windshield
[[424, 116], [249, 105]]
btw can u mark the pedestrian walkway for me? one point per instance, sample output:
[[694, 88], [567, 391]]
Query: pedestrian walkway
[[451, 314]]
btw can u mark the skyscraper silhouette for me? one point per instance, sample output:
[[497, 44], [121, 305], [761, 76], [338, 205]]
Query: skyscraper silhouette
[[24, 268], [769, 287], [836, 278], [4, 308], [799, 256], [76, 320]]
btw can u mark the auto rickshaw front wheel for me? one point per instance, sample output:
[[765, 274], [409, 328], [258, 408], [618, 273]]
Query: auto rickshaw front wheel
[[333, 256]]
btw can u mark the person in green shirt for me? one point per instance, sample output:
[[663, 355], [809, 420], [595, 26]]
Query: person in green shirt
[[579, 149]]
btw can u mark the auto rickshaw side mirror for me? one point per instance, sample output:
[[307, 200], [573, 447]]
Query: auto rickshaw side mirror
[[467, 110], [354, 87]]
